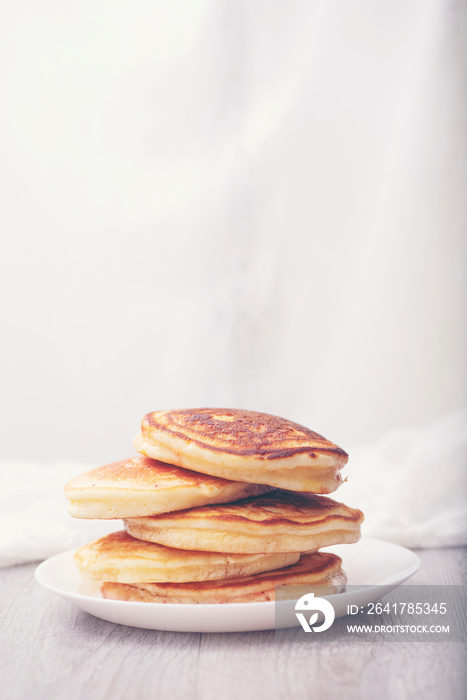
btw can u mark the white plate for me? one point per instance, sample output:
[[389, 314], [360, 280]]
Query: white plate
[[374, 566]]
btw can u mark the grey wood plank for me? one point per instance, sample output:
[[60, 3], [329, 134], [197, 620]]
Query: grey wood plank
[[49, 649], [317, 668], [254, 668], [441, 566]]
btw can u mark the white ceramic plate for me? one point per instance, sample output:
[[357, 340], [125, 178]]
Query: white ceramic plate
[[373, 566]]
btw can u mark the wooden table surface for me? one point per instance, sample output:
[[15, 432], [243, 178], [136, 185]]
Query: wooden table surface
[[49, 649]]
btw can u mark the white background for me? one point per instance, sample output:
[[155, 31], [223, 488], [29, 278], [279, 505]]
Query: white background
[[253, 204]]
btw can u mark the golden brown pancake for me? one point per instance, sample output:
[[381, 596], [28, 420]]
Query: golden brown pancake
[[118, 557], [143, 486], [320, 572], [280, 521], [243, 446]]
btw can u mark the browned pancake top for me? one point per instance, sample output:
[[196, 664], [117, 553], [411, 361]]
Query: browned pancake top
[[276, 508], [317, 565], [140, 472], [238, 432], [122, 546]]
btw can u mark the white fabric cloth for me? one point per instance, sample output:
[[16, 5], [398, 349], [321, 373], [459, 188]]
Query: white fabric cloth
[[34, 523], [248, 203], [411, 485]]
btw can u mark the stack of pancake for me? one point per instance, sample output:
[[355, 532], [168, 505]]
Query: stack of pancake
[[221, 505]]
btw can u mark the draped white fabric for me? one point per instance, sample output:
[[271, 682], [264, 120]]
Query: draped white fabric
[[257, 204]]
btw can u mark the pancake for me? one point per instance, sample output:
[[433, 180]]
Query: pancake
[[143, 486], [320, 572], [276, 522], [243, 446], [123, 559]]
